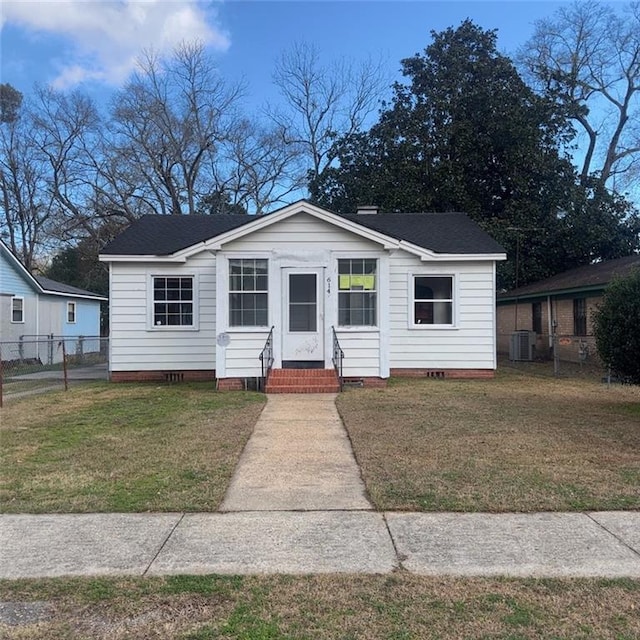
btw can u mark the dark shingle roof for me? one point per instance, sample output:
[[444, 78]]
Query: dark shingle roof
[[59, 287], [595, 276], [438, 232], [164, 235]]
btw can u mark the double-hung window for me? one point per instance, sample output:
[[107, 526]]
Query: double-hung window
[[433, 300], [71, 312], [173, 301], [248, 292], [17, 309], [357, 292]]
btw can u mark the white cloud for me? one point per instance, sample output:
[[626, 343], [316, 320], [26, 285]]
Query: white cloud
[[107, 36]]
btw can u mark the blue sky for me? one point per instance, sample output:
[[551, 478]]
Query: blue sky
[[93, 44]]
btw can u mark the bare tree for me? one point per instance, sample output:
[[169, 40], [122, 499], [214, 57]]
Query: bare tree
[[260, 167], [67, 133], [25, 200], [588, 58], [323, 103], [169, 122]]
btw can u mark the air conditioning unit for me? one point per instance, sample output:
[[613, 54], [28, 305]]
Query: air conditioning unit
[[521, 345]]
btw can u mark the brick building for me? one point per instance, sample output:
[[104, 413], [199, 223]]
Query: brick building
[[570, 299]]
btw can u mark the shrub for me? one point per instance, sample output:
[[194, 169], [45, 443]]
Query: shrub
[[617, 327]]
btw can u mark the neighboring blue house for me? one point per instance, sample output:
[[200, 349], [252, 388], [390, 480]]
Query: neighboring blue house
[[33, 307]]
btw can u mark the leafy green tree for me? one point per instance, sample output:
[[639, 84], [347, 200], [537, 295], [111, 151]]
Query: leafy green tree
[[219, 202], [600, 225], [10, 103], [617, 327], [79, 267], [465, 133]]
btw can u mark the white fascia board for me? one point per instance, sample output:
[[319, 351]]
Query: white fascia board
[[426, 255], [141, 258], [465, 257], [60, 294]]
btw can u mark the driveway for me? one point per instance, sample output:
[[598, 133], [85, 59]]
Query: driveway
[[92, 372]]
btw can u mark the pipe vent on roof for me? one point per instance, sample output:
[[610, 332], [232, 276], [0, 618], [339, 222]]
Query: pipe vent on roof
[[367, 210]]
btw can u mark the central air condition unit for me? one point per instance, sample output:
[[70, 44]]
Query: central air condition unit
[[521, 345]]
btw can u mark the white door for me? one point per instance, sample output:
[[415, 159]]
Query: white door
[[303, 316]]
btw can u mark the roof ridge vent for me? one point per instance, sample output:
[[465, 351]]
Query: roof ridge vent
[[367, 209]]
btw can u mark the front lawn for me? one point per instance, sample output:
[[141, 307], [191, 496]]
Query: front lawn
[[123, 447], [520, 442], [394, 607]]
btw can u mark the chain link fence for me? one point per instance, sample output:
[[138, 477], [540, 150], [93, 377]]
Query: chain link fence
[[36, 363], [564, 355]]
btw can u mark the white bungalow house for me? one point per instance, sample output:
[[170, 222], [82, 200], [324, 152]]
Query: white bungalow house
[[202, 297], [34, 309]]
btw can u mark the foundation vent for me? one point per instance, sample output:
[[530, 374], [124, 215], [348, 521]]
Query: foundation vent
[[174, 376], [435, 374]]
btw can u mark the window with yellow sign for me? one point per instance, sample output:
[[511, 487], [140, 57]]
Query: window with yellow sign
[[357, 295]]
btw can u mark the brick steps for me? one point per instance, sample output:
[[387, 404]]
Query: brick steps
[[302, 381]]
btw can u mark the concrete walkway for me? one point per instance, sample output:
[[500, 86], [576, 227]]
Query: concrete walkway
[[298, 458], [297, 505]]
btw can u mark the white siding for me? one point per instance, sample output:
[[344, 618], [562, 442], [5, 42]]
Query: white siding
[[137, 346], [362, 353], [301, 232], [470, 344], [298, 241], [241, 355]]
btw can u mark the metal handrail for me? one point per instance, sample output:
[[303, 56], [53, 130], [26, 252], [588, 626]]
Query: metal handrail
[[266, 359], [338, 357]]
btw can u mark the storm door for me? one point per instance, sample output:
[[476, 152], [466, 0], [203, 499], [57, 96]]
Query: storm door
[[303, 318]]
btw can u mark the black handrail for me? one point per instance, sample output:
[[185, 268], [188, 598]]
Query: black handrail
[[266, 360], [338, 357]]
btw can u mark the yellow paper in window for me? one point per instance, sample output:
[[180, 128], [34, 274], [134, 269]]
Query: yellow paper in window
[[363, 282], [345, 282]]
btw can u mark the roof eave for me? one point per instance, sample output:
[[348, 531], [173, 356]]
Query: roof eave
[[553, 292], [138, 257], [82, 296]]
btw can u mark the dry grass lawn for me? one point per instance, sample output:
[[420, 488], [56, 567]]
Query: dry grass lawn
[[122, 447], [520, 442], [395, 607]]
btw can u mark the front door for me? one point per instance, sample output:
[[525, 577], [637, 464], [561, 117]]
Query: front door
[[303, 318]]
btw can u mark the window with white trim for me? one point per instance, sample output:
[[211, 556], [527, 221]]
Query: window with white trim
[[248, 292], [71, 312], [433, 300], [173, 301], [17, 309], [357, 292]]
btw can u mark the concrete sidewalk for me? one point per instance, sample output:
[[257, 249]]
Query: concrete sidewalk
[[603, 544]]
